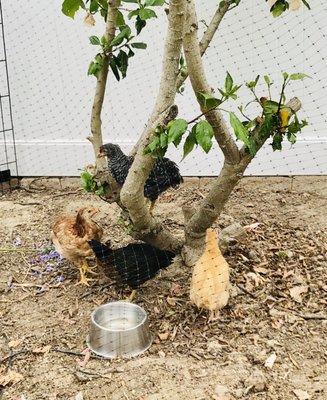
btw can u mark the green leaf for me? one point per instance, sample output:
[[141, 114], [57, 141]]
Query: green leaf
[[270, 107], [176, 129], [267, 127], [207, 101], [95, 40], [133, 13], [242, 133], [278, 8], [147, 13], [139, 24], [139, 45], [130, 1], [298, 76], [120, 21], [204, 134], [114, 69], [163, 140], [285, 75], [152, 146], [87, 181], [306, 4], [154, 2], [189, 144], [94, 6], [122, 63], [277, 141], [70, 7], [291, 137], [228, 83], [95, 65], [267, 80], [123, 34], [253, 84]]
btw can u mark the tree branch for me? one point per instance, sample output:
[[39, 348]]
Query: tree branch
[[131, 194], [96, 123], [207, 36], [211, 207], [103, 176], [200, 84]]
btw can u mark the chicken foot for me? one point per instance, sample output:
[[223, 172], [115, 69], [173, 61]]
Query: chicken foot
[[83, 269]]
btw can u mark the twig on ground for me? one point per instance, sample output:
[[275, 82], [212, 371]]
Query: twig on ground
[[246, 291], [67, 193]]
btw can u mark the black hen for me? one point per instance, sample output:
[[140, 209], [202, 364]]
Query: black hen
[[135, 264], [165, 173]]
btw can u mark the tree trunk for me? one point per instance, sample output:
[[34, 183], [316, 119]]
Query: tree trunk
[[131, 195]]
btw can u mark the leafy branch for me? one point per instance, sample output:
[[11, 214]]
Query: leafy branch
[[121, 43], [277, 121]]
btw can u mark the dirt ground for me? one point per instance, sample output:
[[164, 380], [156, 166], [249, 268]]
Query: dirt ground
[[269, 343]]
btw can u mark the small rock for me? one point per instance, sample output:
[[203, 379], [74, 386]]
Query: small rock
[[238, 393], [221, 390], [301, 394], [270, 361], [257, 381]]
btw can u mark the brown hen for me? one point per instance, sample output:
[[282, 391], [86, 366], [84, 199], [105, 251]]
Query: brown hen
[[210, 279], [70, 236]]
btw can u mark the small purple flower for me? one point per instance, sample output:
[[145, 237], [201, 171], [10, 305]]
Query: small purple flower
[[49, 268], [60, 278]]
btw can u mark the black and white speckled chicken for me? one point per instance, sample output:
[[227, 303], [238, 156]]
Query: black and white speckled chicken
[[165, 173], [135, 264]]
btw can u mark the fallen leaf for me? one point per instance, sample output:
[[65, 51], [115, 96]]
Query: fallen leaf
[[42, 350], [10, 378], [297, 291], [87, 356], [171, 301], [269, 363], [15, 343], [163, 336], [176, 289], [301, 394]]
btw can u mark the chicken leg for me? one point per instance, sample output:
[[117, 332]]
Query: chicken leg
[[83, 269]]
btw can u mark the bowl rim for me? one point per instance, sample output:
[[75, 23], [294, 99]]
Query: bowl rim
[[144, 319]]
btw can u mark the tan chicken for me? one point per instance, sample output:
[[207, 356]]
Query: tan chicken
[[70, 236], [210, 279]]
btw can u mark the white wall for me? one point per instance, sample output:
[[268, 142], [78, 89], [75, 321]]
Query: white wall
[[51, 94]]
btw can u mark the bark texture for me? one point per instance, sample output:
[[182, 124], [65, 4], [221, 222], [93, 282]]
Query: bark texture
[[96, 123], [200, 84], [131, 195]]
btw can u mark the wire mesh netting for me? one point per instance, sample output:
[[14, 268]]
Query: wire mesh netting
[[52, 95], [8, 161]]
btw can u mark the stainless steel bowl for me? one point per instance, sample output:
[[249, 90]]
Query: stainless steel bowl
[[119, 329]]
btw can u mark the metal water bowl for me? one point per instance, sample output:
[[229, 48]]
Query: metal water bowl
[[119, 329]]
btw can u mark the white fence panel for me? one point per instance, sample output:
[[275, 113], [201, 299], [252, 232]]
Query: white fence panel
[[48, 56]]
